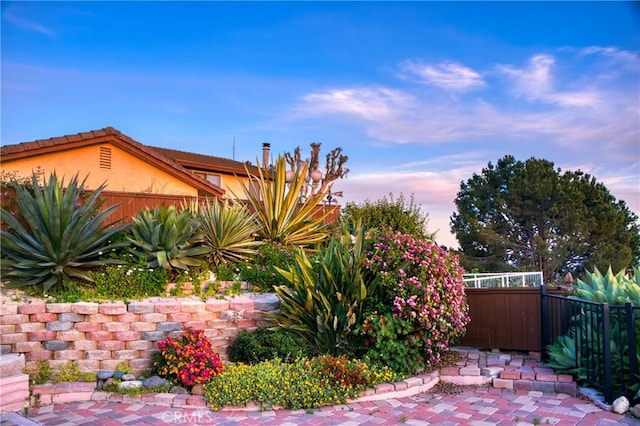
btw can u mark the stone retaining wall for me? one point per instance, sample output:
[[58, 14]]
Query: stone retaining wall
[[101, 335], [14, 384]]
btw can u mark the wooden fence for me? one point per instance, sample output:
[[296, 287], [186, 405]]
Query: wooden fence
[[505, 318], [131, 203]]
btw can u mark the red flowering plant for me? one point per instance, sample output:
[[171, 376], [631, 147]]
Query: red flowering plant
[[421, 306], [187, 359]]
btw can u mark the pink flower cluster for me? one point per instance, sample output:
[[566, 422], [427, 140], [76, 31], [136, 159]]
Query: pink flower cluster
[[425, 285], [189, 359]]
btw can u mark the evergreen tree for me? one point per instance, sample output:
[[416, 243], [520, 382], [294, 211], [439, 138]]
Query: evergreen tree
[[528, 216]]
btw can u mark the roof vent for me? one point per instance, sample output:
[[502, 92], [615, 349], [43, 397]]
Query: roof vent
[[105, 158]]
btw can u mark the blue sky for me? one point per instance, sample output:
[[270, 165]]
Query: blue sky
[[420, 95]]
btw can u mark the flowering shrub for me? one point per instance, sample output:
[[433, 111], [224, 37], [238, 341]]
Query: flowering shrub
[[261, 273], [187, 359], [305, 383], [341, 371], [421, 305]]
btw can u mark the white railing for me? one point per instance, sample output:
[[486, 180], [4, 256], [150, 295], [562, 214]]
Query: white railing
[[504, 279]]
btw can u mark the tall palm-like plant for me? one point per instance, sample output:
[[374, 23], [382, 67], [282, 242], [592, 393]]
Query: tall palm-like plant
[[286, 216], [60, 236], [229, 230]]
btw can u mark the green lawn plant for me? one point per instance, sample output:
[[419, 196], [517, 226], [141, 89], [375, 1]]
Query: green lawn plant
[[164, 237], [39, 374], [285, 215], [323, 303], [62, 233]]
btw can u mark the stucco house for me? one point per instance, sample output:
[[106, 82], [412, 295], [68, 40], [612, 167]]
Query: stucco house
[[135, 174]]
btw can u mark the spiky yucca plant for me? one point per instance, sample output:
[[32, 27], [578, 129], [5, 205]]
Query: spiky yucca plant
[[60, 236], [325, 305], [166, 238], [285, 216], [229, 230]]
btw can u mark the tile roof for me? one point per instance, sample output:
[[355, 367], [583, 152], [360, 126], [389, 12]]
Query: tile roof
[[108, 134], [206, 162]]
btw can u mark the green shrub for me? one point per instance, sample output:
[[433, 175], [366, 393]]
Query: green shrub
[[123, 367], [264, 344], [304, 383], [400, 215], [70, 372], [62, 234], [114, 388], [261, 272], [129, 282], [42, 373]]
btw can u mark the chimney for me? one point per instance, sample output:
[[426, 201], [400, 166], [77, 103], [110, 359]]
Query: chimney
[[265, 155]]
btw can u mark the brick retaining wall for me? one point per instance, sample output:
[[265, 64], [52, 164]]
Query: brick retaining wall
[[100, 335]]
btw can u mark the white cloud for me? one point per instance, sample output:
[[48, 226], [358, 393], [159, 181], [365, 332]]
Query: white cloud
[[594, 111], [535, 82], [27, 24], [580, 116], [624, 57], [368, 103], [447, 75]]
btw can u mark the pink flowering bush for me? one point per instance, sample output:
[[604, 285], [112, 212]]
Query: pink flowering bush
[[420, 306], [187, 359]]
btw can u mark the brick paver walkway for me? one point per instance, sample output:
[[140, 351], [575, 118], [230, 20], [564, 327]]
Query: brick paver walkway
[[477, 406], [511, 389]]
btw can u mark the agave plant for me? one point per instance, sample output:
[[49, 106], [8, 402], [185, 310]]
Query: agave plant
[[615, 289], [284, 214], [563, 356], [571, 354], [166, 238], [59, 235], [324, 305], [229, 229]]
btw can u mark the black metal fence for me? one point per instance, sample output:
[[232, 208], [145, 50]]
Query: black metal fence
[[604, 336]]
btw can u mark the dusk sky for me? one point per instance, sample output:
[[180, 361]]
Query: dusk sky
[[420, 95]]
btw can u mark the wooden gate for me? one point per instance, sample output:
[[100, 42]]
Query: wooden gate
[[505, 318]]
